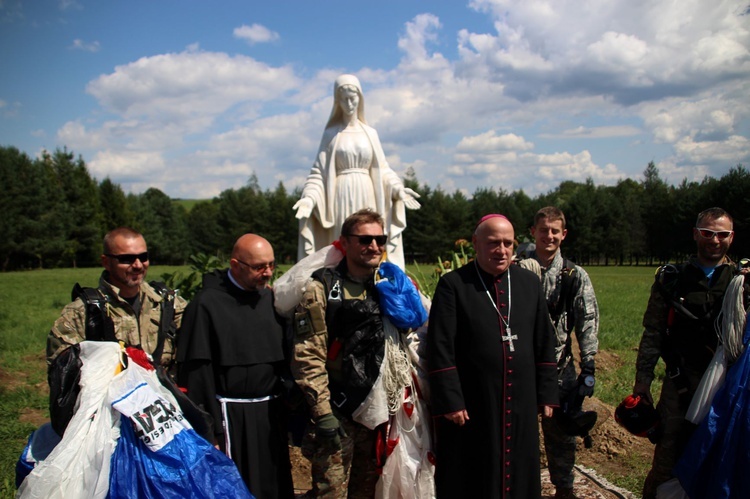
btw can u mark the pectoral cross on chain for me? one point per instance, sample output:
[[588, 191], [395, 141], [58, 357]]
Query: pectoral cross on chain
[[509, 338]]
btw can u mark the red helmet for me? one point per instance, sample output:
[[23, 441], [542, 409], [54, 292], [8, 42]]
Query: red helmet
[[639, 418]]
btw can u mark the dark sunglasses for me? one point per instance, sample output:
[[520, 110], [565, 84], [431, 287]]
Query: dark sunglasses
[[709, 234], [129, 259], [367, 240], [258, 268]]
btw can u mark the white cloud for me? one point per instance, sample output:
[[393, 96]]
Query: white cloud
[[418, 33], [711, 114], [631, 51], [255, 33], [127, 167], [509, 161], [726, 151], [618, 51], [172, 87], [79, 44], [10, 109], [69, 5], [597, 132], [490, 142], [672, 75]]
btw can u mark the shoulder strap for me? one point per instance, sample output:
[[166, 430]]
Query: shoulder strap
[[334, 294], [570, 282], [99, 326], [668, 281], [568, 278], [166, 319]]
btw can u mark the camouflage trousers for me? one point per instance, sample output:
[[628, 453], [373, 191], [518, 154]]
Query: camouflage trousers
[[559, 446], [677, 432], [349, 471]]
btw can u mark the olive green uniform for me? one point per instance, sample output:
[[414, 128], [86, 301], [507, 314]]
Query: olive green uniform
[[134, 329], [333, 469], [691, 341]]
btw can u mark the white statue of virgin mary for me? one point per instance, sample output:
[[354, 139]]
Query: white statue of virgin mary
[[350, 173]]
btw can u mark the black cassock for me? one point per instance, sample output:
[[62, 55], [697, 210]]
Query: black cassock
[[496, 453], [232, 344]]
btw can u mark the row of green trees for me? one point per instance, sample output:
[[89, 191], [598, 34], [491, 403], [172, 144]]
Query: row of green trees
[[54, 214], [630, 223]]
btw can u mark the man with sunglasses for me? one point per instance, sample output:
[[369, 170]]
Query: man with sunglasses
[[133, 307], [339, 347], [233, 359], [680, 327]]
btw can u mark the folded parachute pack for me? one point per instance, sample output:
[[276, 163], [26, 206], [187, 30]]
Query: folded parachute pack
[[128, 438]]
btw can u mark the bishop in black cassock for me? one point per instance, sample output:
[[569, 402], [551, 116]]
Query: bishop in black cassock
[[492, 369], [232, 345]]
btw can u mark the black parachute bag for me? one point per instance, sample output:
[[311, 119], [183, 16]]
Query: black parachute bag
[[364, 343], [63, 377], [65, 372], [359, 327]]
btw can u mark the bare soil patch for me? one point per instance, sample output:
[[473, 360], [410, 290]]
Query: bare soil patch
[[12, 380], [33, 416]]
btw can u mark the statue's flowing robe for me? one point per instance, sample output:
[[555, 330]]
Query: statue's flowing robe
[[334, 203]]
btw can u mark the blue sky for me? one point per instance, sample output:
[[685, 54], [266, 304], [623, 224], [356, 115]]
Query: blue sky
[[195, 97]]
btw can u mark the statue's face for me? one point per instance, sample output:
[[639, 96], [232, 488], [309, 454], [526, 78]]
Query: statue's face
[[348, 100]]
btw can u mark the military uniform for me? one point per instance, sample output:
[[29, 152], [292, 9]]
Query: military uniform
[[134, 328], [315, 371], [685, 336], [582, 316]]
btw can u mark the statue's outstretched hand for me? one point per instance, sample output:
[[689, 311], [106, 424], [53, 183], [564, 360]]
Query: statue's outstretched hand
[[409, 197], [304, 208]]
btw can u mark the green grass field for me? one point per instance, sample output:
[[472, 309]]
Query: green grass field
[[31, 301]]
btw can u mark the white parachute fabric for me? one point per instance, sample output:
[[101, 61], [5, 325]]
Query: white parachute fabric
[[79, 465], [729, 349], [671, 489], [289, 288], [409, 470], [710, 383]]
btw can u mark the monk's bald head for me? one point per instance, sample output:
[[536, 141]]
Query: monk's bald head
[[248, 244], [252, 261]]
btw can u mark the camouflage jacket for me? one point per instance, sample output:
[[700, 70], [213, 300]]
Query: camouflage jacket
[[310, 366], [585, 311], [655, 319], [70, 327]]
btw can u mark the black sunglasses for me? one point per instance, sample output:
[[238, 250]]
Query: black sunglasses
[[367, 240], [129, 259]]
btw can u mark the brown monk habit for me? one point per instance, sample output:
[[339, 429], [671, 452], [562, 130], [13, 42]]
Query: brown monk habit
[[496, 453]]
